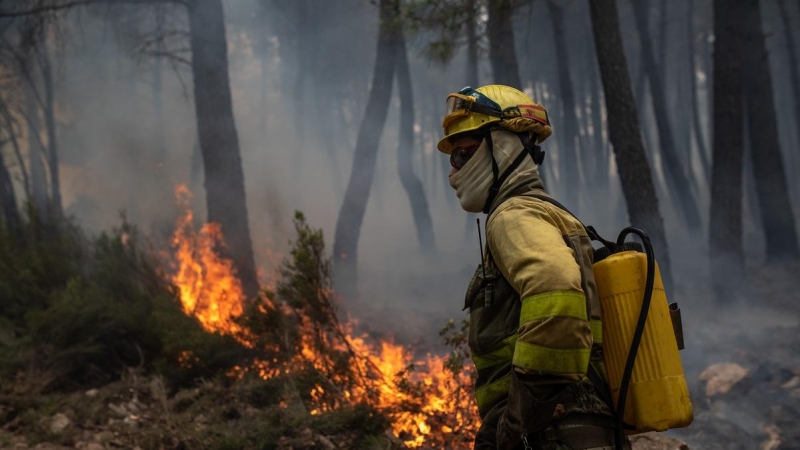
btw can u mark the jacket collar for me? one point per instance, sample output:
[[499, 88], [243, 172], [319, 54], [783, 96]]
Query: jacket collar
[[525, 179]]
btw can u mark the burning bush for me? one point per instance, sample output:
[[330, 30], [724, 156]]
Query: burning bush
[[330, 366], [76, 311], [323, 364]]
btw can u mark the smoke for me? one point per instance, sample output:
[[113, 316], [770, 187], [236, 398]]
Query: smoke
[[299, 91]]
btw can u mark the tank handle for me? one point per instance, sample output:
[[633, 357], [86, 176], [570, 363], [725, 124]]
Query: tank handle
[[677, 324]]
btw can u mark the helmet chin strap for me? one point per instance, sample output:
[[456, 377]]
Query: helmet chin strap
[[530, 148]]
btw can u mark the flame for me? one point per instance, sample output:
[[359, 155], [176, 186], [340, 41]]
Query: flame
[[207, 284], [427, 406]]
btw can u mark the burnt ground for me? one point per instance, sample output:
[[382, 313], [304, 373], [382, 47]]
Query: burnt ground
[[753, 401]]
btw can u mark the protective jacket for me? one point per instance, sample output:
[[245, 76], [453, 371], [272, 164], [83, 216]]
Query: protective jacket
[[535, 326]]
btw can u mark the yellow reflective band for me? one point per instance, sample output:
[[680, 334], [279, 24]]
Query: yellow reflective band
[[502, 354], [490, 393], [597, 331], [552, 304], [540, 359]]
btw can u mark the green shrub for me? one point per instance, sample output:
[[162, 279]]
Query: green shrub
[[83, 309]]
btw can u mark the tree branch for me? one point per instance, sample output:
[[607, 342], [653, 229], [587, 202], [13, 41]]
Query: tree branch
[[43, 9]]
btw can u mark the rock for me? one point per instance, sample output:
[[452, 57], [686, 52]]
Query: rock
[[89, 446], [723, 377], [656, 441], [104, 436], [131, 420], [118, 409], [59, 423], [91, 393], [326, 443], [793, 383], [773, 441]]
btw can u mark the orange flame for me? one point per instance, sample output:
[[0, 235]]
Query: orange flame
[[210, 291], [208, 287]]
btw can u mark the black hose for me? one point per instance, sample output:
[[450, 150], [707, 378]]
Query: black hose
[[619, 435]]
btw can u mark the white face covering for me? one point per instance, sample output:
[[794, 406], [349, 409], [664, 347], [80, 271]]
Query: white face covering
[[473, 181]]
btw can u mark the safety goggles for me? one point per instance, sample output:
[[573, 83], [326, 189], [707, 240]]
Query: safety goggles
[[461, 155], [461, 104]]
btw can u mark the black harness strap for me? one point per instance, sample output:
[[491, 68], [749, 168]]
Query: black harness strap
[[533, 150], [498, 182], [484, 109]]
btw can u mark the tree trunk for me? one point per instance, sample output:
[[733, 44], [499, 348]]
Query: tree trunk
[[351, 213], [624, 132], [601, 167], [38, 179], [662, 37], [472, 45], [794, 67], [219, 142], [699, 136], [50, 123], [777, 217], [8, 200], [676, 178], [12, 137], [725, 227], [409, 180], [502, 54], [570, 173], [601, 161]]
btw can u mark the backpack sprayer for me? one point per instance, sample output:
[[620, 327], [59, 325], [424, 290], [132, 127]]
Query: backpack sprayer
[[648, 387], [642, 336]]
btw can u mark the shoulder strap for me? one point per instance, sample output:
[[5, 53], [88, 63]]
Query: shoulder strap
[[593, 235]]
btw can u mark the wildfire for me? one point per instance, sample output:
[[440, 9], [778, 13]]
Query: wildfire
[[426, 406], [207, 283]]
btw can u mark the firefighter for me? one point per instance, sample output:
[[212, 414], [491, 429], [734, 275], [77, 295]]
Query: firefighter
[[535, 325]]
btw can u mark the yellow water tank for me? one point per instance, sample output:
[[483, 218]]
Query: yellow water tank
[[658, 397]]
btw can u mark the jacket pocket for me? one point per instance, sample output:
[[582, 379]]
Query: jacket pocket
[[493, 312]]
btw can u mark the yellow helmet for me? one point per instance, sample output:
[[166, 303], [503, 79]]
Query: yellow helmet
[[470, 109]]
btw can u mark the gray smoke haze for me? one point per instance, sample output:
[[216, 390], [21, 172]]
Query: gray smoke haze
[[300, 73], [113, 158]]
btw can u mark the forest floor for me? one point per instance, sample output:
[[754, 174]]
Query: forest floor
[[742, 362]]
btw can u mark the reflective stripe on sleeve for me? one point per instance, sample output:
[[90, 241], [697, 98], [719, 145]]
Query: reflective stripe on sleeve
[[553, 304], [504, 353], [487, 394], [539, 359]]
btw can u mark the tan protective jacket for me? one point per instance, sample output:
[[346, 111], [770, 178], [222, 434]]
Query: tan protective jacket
[[535, 326]]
